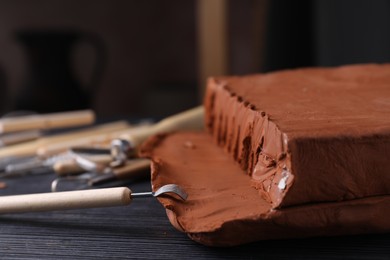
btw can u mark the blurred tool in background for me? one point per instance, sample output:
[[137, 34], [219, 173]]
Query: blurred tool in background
[[96, 155], [22, 128]]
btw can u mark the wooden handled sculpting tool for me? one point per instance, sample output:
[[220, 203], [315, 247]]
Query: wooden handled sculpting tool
[[82, 199], [96, 133], [188, 120], [102, 139], [45, 147], [69, 167], [19, 137], [133, 169], [47, 121]]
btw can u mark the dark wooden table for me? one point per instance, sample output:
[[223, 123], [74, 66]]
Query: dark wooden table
[[142, 231]]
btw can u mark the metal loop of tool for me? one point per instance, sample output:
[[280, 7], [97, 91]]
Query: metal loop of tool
[[169, 188], [120, 150]]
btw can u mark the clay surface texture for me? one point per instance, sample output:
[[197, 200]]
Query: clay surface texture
[[288, 154]]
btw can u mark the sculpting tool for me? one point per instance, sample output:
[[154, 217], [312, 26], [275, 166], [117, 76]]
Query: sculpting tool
[[71, 167], [19, 137], [102, 139], [98, 174], [100, 133], [191, 119], [133, 169], [188, 120], [47, 121], [82, 199]]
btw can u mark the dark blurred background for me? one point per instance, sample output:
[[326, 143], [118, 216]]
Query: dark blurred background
[[151, 58]]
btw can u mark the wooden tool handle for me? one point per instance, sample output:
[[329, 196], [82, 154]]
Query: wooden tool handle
[[99, 140], [32, 147], [188, 120], [133, 169], [19, 137], [65, 200], [47, 121], [68, 167]]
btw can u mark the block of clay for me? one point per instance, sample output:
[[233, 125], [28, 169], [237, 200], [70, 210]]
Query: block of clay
[[308, 135], [289, 154], [223, 209]]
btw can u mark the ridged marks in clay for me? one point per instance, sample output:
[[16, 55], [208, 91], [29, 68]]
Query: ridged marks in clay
[[252, 139]]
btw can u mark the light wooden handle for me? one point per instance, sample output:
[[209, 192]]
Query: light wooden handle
[[135, 168], [132, 170], [96, 198], [67, 167], [188, 120], [31, 148], [19, 137], [57, 148], [47, 121], [100, 140]]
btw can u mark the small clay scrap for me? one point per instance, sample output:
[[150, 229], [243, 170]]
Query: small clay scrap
[[3, 185]]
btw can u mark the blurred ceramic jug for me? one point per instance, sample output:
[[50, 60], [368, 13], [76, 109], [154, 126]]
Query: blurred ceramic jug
[[50, 84]]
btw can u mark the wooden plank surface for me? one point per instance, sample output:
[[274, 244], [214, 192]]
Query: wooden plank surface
[[142, 231]]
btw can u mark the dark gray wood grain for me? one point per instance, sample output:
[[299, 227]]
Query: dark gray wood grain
[[142, 231]]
